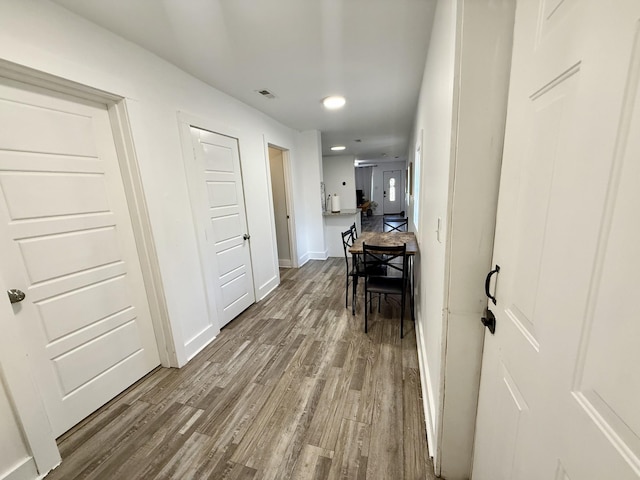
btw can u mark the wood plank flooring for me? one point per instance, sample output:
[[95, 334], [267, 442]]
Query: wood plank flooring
[[291, 389]]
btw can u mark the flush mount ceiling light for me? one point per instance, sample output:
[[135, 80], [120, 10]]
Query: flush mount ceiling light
[[337, 148], [334, 102]]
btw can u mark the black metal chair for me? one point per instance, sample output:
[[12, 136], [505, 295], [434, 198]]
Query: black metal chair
[[347, 241], [395, 224], [390, 277], [355, 268]]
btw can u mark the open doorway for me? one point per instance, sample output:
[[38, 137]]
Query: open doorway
[[278, 165]]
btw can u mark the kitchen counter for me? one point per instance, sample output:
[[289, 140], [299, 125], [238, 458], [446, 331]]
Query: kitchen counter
[[334, 224], [344, 212]]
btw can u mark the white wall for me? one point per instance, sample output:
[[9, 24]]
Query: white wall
[[338, 170], [434, 118], [308, 175], [462, 112], [45, 37], [377, 176], [484, 67]]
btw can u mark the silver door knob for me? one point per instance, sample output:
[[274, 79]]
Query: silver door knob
[[15, 295]]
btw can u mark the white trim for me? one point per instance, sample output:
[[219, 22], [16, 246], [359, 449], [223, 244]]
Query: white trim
[[272, 210], [268, 288], [317, 255], [23, 471], [285, 263], [303, 259], [143, 233], [198, 343], [288, 188], [428, 402], [453, 160], [288, 181], [23, 393]]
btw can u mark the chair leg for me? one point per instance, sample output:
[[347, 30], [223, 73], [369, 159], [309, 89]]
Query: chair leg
[[354, 289], [346, 291], [365, 311], [402, 316]]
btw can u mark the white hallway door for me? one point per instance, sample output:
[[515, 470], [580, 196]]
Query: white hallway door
[[393, 192], [218, 204], [560, 388], [67, 243]]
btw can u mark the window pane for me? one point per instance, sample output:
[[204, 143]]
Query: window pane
[[416, 187], [392, 189]]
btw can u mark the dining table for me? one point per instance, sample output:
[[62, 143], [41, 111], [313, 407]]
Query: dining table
[[390, 239]]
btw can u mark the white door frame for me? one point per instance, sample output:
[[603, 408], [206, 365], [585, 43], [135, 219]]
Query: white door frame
[[288, 189], [20, 385], [23, 392]]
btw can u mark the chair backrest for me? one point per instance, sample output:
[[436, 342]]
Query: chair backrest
[[395, 224], [347, 241], [388, 261], [354, 231]]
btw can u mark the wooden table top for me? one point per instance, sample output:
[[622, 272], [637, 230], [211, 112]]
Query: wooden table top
[[390, 239]]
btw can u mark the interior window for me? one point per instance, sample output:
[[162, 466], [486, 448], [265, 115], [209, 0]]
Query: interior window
[[416, 187]]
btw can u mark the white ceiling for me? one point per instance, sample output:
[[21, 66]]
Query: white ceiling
[[371, 51]]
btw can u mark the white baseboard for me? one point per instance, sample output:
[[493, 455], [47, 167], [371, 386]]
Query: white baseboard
[[264, 291], [285, 263], [318, 255], [267, 287], [197, 343], [427, 390]]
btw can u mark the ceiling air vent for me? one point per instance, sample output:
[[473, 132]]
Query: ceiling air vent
[[266, 93]]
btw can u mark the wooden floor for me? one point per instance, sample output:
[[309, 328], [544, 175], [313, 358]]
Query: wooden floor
[[291, 389]]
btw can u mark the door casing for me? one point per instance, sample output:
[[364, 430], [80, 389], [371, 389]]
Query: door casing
[[28, 405], [286, 164]]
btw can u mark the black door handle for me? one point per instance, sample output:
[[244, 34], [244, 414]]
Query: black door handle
[[487, 283]]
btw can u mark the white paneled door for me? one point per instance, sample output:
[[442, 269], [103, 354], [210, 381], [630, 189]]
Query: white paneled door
[[393, 191], [560, 388], [67, 243], [219, 210]]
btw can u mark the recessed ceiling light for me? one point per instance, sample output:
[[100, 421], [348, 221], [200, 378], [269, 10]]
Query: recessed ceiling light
[[334, 102], [338, 148]]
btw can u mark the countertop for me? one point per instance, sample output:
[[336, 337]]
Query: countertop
[[343, 212]]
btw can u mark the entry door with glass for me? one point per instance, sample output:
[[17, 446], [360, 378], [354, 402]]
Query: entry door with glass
[[392, 192]]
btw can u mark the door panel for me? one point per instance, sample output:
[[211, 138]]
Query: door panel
[[66, 231], [220, 212], [567, 241], [393, 191]]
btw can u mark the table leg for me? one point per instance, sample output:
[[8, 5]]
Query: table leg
[[354, 284]]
